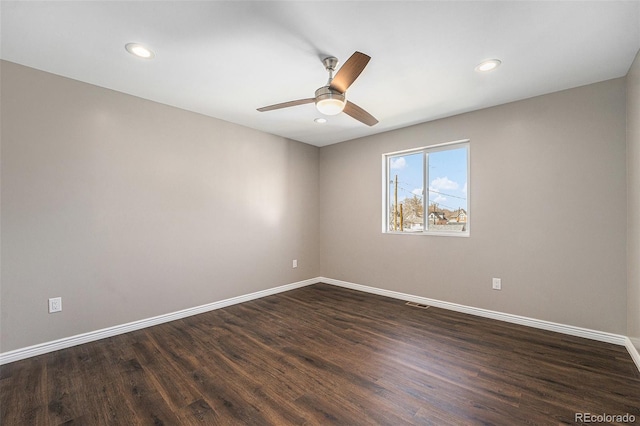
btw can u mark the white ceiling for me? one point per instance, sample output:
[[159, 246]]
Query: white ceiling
[[225, 59]]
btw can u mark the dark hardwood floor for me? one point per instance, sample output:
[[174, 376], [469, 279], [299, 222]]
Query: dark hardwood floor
[[324, 355]]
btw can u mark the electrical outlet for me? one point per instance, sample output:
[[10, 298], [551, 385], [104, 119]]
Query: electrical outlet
[[55, 304], [295, 263], [497, 284]]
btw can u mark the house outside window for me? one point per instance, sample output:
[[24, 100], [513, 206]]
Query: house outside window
[[426, 190]]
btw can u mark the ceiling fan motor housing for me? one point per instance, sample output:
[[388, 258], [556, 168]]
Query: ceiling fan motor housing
[[329, 101]]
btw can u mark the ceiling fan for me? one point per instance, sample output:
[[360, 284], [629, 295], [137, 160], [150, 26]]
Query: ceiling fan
[[331, 98]]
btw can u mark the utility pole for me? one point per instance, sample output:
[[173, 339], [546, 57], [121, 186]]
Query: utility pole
[[401, 219], [435, 213]]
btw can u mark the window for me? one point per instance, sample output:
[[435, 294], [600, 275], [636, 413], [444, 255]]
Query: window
[[426, 190]]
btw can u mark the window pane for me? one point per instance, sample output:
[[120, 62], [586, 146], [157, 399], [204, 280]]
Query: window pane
[[448, 209], [406, 188]]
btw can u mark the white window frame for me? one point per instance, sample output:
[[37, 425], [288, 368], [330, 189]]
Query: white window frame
[[386, 178]]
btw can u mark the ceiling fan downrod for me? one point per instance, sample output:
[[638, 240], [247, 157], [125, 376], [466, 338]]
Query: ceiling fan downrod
[[330, 65]]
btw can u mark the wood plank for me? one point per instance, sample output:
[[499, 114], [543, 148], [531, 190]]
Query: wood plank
[[23, 393], [323, 355]]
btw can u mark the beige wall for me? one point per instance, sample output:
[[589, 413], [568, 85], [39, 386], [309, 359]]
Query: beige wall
[[129, 209], [548, 211], [633, 202]]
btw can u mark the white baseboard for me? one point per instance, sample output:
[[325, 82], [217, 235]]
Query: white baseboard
[[571, 330], [633, 350], [92, 336], [67, 342], [601, 336]]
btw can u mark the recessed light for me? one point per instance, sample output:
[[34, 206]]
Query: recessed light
[[488, 65], [320, 120], [139, 50]]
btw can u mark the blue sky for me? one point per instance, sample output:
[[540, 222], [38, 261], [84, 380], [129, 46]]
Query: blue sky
[[447, 177]]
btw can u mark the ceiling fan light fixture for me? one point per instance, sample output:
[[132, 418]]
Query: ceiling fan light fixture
[[329, 102], [330, 106]]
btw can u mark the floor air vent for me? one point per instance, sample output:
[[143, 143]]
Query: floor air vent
[[417, 305]]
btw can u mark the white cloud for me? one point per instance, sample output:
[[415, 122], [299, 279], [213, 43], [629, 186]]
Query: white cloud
[[434, 197], [439, 199], [443, 183], [418, 192], [398, 163]]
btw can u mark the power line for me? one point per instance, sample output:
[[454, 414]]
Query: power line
[[448, 195], [420, 196], [430, 190], [409, 192]]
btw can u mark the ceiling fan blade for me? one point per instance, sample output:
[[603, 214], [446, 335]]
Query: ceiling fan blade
[[287, 104], [349, 71], [359, 114]]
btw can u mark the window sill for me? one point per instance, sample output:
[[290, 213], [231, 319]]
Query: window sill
[[436, 234]]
